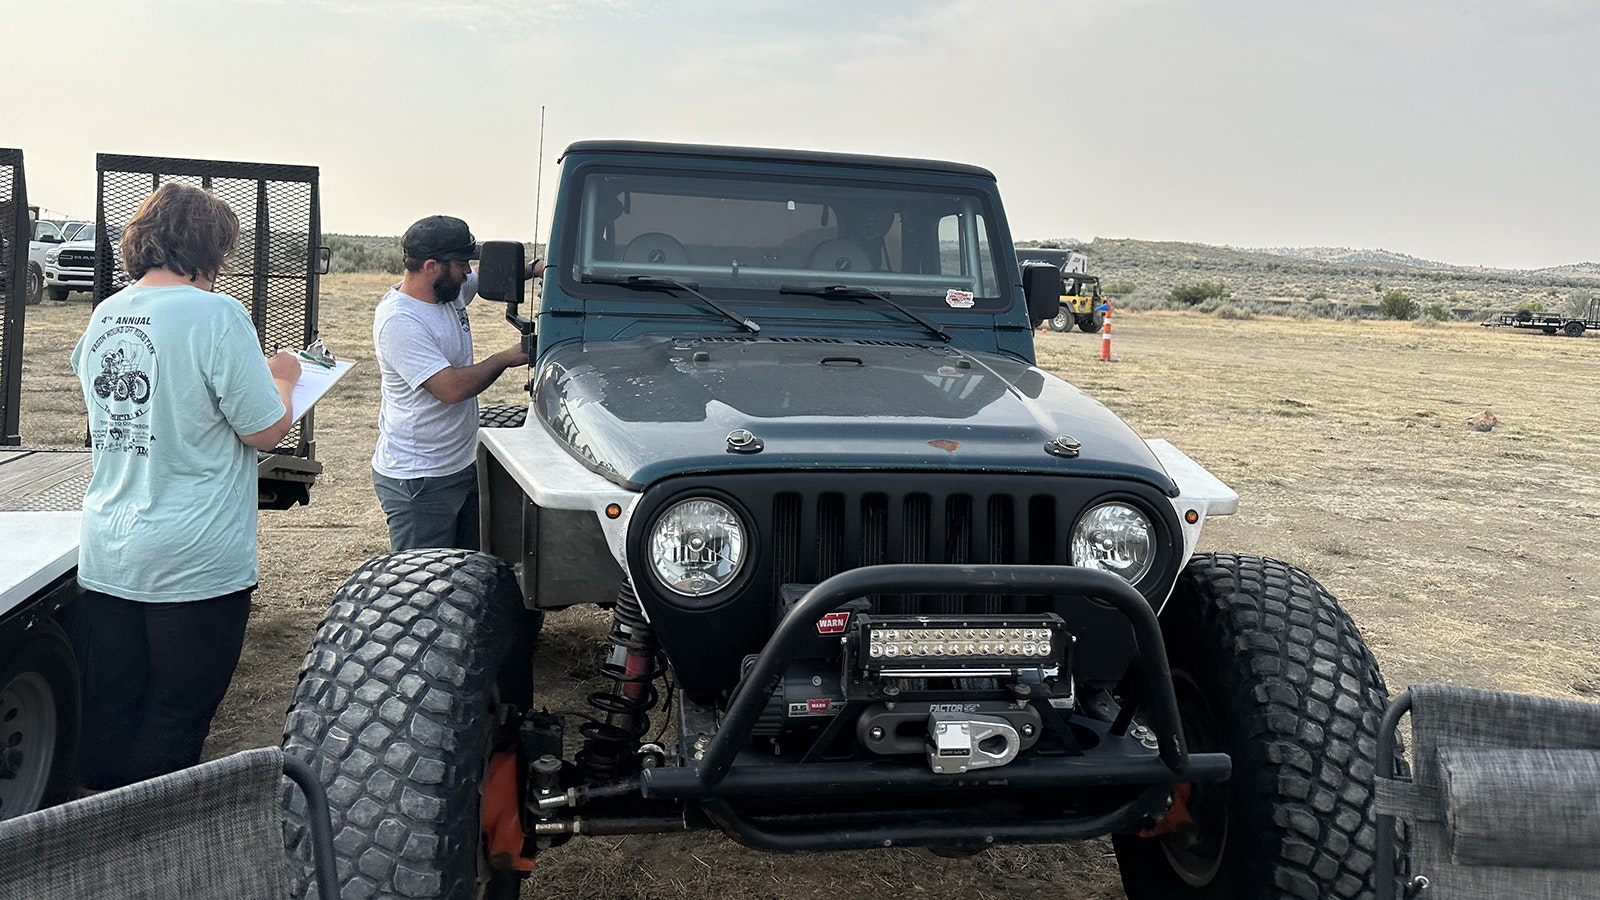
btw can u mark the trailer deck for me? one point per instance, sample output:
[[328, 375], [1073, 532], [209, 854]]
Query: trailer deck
[[41, 500]]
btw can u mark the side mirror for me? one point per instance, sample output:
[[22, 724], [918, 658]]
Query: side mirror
[[501, 265], [1041, 285], [324, 260]]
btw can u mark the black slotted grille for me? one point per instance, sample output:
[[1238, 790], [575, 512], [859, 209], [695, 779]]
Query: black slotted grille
[[274, 273], [814, 537], [807, 526]]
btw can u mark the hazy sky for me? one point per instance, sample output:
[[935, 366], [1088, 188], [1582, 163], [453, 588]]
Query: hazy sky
[[1461, 130]]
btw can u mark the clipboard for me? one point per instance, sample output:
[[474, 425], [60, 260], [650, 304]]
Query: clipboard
[[315, 380]]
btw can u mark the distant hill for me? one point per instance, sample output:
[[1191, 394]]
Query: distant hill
[[1337, 274], [1347, 255]]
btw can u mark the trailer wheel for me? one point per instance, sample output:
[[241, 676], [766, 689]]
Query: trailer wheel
[[396, 710], [502, 415], [1270, 670], [1574, 328], [1523, 316], [1549, 329], [39, 713]]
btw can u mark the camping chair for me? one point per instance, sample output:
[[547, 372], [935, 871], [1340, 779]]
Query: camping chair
[[1503, 799], [211, 831]]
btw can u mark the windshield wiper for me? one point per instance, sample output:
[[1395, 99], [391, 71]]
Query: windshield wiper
[[849, 292], [661, 283]]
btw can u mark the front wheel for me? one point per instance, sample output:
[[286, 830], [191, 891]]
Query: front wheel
[[39, 713], [1269, 669], [395, 710], [1062, 320]]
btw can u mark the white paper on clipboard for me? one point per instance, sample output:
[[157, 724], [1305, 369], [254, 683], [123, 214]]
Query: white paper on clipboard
[[315, 381]]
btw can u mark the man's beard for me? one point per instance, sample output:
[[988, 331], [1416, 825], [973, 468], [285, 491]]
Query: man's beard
[[446, 288]]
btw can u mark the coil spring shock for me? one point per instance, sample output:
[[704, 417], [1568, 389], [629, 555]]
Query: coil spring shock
[[611, 741]]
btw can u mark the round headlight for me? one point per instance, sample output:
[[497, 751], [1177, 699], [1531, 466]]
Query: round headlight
[[697, 547], [1115, 538]]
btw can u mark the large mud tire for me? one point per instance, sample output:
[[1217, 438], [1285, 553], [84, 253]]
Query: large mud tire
[[502, 415], [394, 710], [1062, 320], [1271, 670], [39, 714]]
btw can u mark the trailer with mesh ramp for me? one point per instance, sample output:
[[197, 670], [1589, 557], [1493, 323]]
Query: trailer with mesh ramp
[[41, 492], [1550, 322], [274, 273]]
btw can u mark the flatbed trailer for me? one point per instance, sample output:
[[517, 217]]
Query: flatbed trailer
[[1549, 322], [41, 498]]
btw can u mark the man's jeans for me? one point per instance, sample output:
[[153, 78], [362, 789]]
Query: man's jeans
[[431, 511]]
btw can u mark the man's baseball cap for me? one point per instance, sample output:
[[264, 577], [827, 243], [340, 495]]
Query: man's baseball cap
[[441, 238]]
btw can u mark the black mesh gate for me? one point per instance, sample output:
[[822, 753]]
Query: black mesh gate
[[274, 272], [15, 230]]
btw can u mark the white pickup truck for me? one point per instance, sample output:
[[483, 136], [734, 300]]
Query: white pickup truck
[[47, 236], [69, 266]]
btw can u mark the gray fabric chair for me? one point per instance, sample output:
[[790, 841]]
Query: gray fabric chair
[[211, 831], [1503, 800]]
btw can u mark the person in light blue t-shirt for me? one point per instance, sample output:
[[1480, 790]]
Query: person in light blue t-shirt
[[180, 398]]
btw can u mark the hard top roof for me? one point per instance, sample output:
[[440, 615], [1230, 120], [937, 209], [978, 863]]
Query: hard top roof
[[764, 154]]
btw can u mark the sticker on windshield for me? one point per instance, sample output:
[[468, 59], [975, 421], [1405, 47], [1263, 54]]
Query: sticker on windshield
[[958, 299]]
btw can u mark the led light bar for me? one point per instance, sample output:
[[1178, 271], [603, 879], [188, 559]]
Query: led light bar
[[926, 645]]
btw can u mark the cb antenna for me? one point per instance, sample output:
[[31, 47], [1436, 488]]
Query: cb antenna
[[538, 185]]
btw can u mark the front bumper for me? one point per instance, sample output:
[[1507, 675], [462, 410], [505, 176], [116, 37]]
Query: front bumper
[[858, 804]]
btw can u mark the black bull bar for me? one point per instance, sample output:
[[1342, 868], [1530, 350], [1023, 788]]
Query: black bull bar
[[719, 780]]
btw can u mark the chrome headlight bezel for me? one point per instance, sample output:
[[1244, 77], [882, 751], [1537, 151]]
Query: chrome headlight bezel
[[725, 535], [1111, 528]]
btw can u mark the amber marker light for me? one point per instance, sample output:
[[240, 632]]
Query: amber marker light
[[615, 509], [1192, 516]]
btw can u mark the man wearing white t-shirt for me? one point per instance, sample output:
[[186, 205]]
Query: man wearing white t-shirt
[[424, 468]]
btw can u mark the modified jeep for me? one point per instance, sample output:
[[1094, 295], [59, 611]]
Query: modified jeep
[[875, 579]]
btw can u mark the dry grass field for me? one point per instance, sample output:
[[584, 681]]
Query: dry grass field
[[1464, 556]]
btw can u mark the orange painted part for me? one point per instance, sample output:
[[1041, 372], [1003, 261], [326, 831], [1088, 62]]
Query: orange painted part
[[1105, 335], [502, 827], [1177, 814]]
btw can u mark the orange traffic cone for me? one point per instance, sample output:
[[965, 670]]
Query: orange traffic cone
[[1105, 335]]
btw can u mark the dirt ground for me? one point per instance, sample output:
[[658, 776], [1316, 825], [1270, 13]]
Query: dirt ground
[[1464, 556]]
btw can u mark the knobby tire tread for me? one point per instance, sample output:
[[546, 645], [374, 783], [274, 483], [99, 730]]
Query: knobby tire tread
[[1302, 698], [392, 711]]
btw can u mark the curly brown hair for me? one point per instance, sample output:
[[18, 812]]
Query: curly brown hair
[[180, 228]]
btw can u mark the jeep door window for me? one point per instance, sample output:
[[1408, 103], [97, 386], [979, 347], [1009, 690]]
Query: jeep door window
[[743, 237]]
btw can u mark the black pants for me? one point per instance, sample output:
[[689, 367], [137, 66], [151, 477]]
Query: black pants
[[153, 676]]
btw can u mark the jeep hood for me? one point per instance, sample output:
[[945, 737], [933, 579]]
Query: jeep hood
[[639, 411]]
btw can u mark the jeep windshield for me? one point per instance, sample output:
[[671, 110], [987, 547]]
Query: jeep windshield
[[745, 236]]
